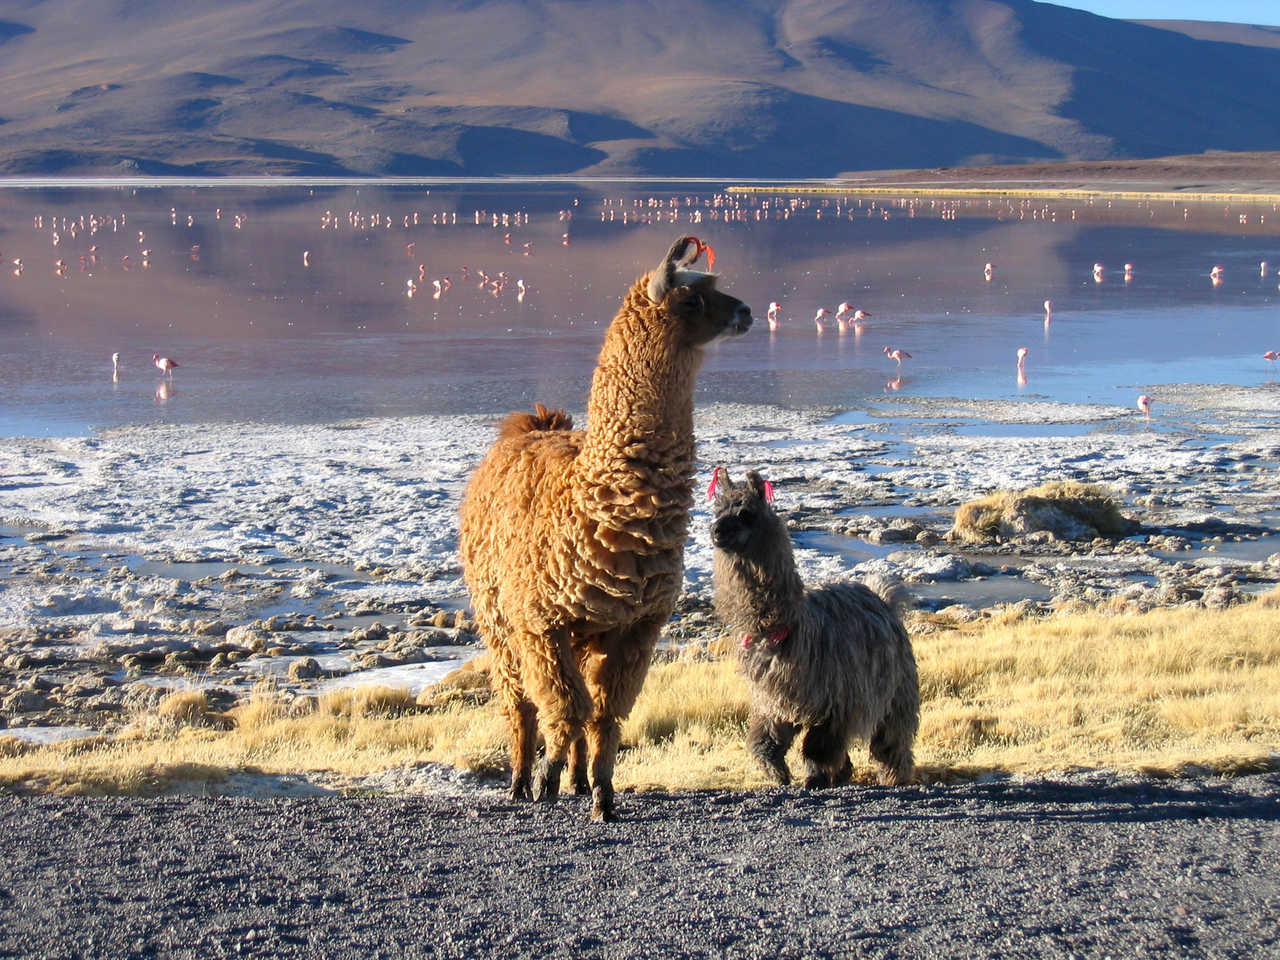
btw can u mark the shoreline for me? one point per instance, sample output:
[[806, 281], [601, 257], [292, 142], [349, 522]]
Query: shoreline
[[140, 559]]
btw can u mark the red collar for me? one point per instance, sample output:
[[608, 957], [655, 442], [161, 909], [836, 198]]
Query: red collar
[[775, 638]]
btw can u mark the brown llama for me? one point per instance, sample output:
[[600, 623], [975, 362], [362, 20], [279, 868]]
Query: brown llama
[[834, 661], [572, 541]]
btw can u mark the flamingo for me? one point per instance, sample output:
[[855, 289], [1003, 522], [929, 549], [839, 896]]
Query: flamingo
[[858, 317], [1144, 404], [164, 364], [1022, 355], [772, 315], [1128, 272], [1263, 268], [987, 272], [1048, 310], [894, 354], [1097, 273], [818, 317], [115, 367], [1271, 356], [1215, 276]]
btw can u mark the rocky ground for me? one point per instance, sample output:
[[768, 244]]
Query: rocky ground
[[1089, 866], [128, 573]]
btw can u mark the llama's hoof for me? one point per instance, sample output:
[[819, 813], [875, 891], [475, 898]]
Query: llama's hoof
[[844, 774], [521, 789], [817, 781], [582, 787], [546, 787], [602, 809], [780, 775]]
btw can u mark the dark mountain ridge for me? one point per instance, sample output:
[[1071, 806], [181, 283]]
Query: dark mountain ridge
[[761, 88]]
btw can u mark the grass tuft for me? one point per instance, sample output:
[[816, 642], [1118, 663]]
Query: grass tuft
[[1009, 513]]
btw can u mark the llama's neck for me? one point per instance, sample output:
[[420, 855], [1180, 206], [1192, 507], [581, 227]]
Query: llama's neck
[[759, 594], [640, 412]]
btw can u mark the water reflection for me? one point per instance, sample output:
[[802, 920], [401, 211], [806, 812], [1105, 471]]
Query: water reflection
[[467, 299]]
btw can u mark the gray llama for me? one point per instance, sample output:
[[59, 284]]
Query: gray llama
[[834, 661]]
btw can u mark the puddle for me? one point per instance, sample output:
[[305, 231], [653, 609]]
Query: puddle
[[855, 418], [48, 734], [415, 677], [980, 593], [893, 511], [853, 549], [1025, 430], [1246, 551]]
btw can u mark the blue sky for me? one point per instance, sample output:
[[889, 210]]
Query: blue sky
[[1236, 11]]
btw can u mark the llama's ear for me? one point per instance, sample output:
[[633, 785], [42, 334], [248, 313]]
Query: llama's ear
[[719, 478], [662, 279], [760, 485]]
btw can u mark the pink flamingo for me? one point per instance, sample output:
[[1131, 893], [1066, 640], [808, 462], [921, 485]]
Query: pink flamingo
[[1097, 273], [1022, 355], [164, 364], [1128, 273], [818, 317], [987, 272], [1271, 356], [1144, 404], [895, 354], [772, 315]]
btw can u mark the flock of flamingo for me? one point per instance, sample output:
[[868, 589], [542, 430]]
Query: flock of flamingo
[[845, 318], [848, 319]]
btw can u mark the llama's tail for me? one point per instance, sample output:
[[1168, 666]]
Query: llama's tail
[[541, 419], [896, 597]]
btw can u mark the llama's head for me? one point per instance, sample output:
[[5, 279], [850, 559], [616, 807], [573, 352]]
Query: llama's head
[[689, 297], [744, 519]]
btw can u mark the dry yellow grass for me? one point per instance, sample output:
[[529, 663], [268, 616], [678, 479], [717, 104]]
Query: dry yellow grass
[[1162, 692]]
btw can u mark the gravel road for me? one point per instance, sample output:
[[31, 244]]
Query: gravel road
[[1092, 866]]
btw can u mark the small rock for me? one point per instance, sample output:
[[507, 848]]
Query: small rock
[[305, 669]]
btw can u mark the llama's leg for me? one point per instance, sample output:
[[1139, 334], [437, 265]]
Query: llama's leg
[[554, 683], [614, 666], [893, 739], [825, 755], [521, 714], [768, 740], [578, 767]]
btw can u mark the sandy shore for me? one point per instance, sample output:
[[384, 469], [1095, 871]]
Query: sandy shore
[[1210, 173]]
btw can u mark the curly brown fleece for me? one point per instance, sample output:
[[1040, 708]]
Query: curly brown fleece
[[572, 542]]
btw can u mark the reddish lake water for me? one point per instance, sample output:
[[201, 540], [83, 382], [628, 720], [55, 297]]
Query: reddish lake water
[[262, 335]]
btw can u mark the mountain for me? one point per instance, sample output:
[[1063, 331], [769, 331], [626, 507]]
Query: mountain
[[720, 88]]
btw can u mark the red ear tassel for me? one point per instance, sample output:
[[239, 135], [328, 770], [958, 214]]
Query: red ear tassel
[[768, 492], [711, 254], [715, 479]]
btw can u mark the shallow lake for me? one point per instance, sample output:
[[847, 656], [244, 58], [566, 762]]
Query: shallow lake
[[292, 304]]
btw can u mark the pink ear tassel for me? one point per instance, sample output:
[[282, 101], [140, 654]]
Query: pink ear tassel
[[768, 492], [715, 479]]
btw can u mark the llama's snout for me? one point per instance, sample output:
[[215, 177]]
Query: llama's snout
[[741, 319], [730, 533]]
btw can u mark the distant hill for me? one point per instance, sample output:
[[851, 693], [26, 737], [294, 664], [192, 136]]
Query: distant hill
[[721, 88]]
